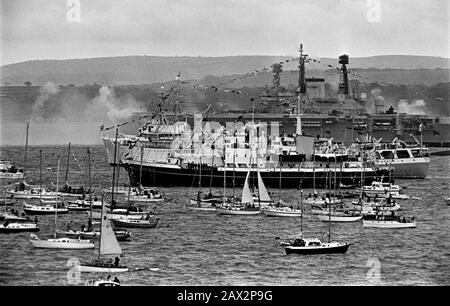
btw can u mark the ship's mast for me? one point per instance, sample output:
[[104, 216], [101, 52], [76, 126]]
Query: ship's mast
[[67, 166], [26, 151], [301, 78]]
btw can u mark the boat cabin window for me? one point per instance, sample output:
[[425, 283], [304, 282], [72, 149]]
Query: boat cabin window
[[387, 154], [416, 153], [402, 154]]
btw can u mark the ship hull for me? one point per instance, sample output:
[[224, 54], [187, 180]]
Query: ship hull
[[408, 168], [167, 176]]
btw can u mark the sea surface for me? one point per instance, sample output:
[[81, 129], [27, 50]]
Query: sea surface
[[191, 248]]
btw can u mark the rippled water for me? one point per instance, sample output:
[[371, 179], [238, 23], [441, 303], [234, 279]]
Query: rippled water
[[207, 249]]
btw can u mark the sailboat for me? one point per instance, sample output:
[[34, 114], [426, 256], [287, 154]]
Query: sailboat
[[279, 209], [207, 202], [109, 246], [335, 215], [60, 243], [311, 246], [245, 207]]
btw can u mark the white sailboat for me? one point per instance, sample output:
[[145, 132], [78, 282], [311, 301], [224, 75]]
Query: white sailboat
[[60, 243], [245, 207], [109, 246]]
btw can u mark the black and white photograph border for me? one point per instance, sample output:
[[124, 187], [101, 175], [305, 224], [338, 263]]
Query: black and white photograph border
[[224, 147]]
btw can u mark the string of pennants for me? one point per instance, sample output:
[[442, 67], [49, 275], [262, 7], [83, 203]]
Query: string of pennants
[[197, 86], [217, 88], [309, 59]]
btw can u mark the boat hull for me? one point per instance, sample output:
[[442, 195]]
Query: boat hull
[[7, 230], [101, 269], [48, 244], [127, 224], [341, 249], [43, 212], [224, 211], [388, 224], [201, 208], [274, 213], [173, 175], [326, 218]]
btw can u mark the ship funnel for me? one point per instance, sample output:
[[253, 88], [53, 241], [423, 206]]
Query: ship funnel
[[343, 76]]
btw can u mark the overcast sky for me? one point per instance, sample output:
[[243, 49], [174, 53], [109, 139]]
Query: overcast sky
[[39, 29]]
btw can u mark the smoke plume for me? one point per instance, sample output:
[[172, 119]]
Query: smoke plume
[[417, 107], [115, 109], [45, 92]]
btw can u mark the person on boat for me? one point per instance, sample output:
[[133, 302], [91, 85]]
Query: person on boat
[[116, 280], [95, 199], [83, 228], [116, 261], [89, 227]]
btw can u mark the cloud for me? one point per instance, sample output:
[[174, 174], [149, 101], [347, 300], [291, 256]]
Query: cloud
[[39, 29]]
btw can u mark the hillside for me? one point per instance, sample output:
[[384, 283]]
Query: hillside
[[150, 69]]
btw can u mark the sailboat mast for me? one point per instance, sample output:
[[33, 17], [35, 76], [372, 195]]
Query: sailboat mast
[[334, 192], [279, 191], [114, 169], [212, 165], [56, 205], [314, 167], [234, 163], [101, 229], [89, 182], [67, 165], [329, 210], [301, 210], [26, 151], [40, 176]]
